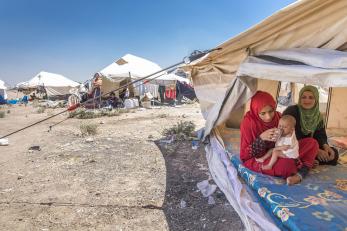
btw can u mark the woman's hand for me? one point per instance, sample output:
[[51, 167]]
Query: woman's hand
[[323, 156], [329, 150], [269, 135]]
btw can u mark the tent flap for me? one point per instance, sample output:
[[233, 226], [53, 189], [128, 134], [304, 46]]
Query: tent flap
[[322, 67]]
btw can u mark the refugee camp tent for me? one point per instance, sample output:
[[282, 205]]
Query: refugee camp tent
[[124, 70], [305, 43], [2, 88], [130, 66], [54, 84], [2, 85], [49, 80], [3, 95]]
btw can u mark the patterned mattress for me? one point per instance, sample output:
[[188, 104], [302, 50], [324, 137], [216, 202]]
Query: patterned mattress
[[319, 202]]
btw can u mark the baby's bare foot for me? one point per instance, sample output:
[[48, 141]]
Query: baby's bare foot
[[293, 179]]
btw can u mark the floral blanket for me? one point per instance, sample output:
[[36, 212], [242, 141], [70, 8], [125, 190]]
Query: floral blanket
[[318, 203]]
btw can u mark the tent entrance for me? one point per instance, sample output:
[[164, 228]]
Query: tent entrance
[[288, 71]]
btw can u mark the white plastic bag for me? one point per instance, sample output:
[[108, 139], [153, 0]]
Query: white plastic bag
[[206, 188], [4, 142]]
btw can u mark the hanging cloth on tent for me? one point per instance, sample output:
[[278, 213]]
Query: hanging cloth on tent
[[152, 88], [162, 93], [170, 92], [185, 90]]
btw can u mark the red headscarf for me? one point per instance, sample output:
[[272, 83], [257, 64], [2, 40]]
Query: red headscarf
[[252, 126]]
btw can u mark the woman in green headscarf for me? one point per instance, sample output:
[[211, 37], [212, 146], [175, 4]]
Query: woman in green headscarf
[[309, 123]]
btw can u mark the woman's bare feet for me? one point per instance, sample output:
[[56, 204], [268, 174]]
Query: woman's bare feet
[[295, 179]]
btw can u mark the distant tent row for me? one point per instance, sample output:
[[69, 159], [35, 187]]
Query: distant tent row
[[119, 73]]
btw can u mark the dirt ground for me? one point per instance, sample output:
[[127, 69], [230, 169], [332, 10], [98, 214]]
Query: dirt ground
[[124, 178]]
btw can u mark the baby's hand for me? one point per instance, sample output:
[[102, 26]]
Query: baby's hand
[[277, 134]]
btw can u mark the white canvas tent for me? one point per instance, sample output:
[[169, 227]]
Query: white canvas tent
[[54, 84], [125, 69], [3, 90], [130, 66], [2, 85], [305, 42], [49, 80]]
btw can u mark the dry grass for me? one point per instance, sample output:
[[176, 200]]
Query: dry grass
[[182, 130], [2, 114], [84, 114], [88, 129], [123, 110], [41, 110], [163, 115], [110, 113], [35, 103]]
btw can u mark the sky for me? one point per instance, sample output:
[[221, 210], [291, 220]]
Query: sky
[[77, 38]]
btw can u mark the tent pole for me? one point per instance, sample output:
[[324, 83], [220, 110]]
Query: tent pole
[[278, 90], [328, 107]]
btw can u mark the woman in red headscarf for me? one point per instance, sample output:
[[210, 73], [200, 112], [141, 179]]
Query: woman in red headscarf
[[257, 132]]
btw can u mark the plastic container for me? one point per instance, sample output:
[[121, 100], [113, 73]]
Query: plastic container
[[146, 104], [128, 103], [135, 102], [195, 144]]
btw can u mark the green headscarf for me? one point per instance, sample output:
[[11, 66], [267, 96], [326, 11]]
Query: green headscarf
[[309, 118]]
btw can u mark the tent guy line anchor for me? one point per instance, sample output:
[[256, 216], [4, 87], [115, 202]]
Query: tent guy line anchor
[[188, 59]]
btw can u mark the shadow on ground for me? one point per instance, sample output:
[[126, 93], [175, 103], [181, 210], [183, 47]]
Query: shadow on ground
[[184, 206]]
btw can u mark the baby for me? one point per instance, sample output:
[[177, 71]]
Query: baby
[[286, 146]]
